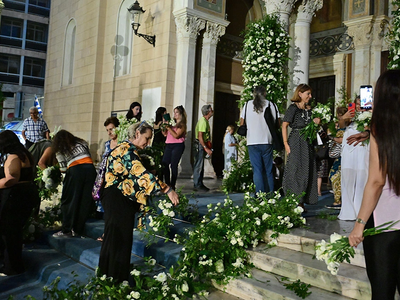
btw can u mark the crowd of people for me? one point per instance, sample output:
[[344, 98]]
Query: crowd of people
[[364, 176]]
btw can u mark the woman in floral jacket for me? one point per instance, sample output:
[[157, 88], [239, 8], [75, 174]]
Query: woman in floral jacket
[[127, 186]]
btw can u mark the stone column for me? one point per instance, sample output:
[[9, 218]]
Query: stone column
[[207, 75], [187, 30], [282, 7], [379, 44], [361, 29], [339, 61], [301, 38]]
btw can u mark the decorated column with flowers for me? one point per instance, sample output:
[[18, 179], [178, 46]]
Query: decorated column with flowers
[[394, 37], [301, 33], [281, 7]]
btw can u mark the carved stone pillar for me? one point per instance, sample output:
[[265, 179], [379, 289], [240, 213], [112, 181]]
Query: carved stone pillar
[[339, 61], [379, 44], [301, 38], [207, 75], [361, 29], [282, 7]]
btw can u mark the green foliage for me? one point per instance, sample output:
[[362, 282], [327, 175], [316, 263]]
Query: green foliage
[[394, 37], [298, 287], [265, 51], [325, 215], [239, 178], [48, 180]]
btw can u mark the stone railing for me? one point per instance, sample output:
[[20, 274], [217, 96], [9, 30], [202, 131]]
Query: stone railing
[[329, 42]]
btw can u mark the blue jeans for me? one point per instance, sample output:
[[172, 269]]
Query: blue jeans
[[198, 168], [261, 161]]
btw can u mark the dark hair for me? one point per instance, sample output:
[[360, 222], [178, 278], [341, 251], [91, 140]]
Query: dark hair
[[301, 88], [357, 98], [159, 114], [10, 144], [129, 114], [111, 120], [182, 123], [259, 98], [341, 110], [385, 118], [64, 142]]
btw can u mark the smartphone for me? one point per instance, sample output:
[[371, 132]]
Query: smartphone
[[352, 108], [167, 117], [366, 96]]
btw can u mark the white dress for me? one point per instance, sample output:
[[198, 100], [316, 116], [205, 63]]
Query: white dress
[[230, 152], [355, 162]]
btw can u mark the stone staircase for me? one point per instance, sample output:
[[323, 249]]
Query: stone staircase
[[292, 258]]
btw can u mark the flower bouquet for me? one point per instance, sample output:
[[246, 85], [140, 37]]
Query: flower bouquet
[[122, 130], [170, 122], [48, 181], [321, 111], [362, 120], [339, 249]]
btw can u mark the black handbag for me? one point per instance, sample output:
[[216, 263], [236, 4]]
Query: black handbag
[[274, 128], [242, 130]]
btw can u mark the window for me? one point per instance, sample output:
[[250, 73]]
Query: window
[[34, 67], [69, 53], [36, 32], [9, 64], [42, 3], [11, 27]]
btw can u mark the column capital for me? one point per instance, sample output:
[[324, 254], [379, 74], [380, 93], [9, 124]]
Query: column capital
[[213, 32], [282, 7], [1, 6], [361, 30], [188, 26], [307, 10]]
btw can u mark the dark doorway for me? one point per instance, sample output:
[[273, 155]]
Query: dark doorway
[[226, 112], [323, 88]]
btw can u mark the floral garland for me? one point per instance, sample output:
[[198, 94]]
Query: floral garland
[[48, 181], [265, 51], [321, 111], [339, 250], [394, 37]]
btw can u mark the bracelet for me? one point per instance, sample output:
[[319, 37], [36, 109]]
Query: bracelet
[[361, 221], [169, 190]]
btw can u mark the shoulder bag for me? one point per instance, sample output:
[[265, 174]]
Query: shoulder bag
[[274, 128], [242, 130]]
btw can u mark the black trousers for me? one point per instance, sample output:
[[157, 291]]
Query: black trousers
[[172, 156], [119, 217], [382, 258], [16, 205], [76, 201]]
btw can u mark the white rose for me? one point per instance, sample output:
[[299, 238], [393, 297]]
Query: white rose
[[161, 277]]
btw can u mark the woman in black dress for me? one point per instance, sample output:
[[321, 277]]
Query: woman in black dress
[[300, 171]]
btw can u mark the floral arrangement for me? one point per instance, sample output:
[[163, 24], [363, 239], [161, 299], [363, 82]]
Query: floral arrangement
[[170, 122], [239, 178], [363, 120], [48, 181], [321, 111], [56, 129], [152, 158], [122, 130], [339, 250], [394, 37], [265, 59], [214, 250]]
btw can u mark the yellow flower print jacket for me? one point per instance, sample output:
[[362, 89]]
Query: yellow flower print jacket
[[125, 170]]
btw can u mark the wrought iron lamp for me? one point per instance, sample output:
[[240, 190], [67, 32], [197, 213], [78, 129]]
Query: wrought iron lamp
[[136, 11]]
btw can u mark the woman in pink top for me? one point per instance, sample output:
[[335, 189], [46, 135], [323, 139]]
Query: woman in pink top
[[174, 146], [381, 200]]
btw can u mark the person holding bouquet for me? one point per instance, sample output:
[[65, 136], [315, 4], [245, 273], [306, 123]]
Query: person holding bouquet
[[300, 173], [381, 198]]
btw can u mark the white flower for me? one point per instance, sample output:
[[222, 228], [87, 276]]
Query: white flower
[[298, 210], [135, 272], [334, 237], [185, 287], [152, 262], [161, 277], [103, 277], [219, 266], [135, 295]]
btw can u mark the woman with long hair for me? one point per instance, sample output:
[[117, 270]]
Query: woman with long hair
[[127, 186], [134, 111], [174, 146], [259, 139], [18, 198], [74, 158], [159, 136], [300, 173], [381, 200]]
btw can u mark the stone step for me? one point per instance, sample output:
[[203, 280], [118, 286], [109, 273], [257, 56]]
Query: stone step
[[351, 281], [303, 240], [264, 285]]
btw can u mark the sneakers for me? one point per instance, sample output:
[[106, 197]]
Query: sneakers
[[64, 234], [201, 188], [334, 206]]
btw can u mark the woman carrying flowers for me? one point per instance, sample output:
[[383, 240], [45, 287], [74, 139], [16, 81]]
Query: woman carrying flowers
[[381, 200], [127, 186], [300, 171]]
